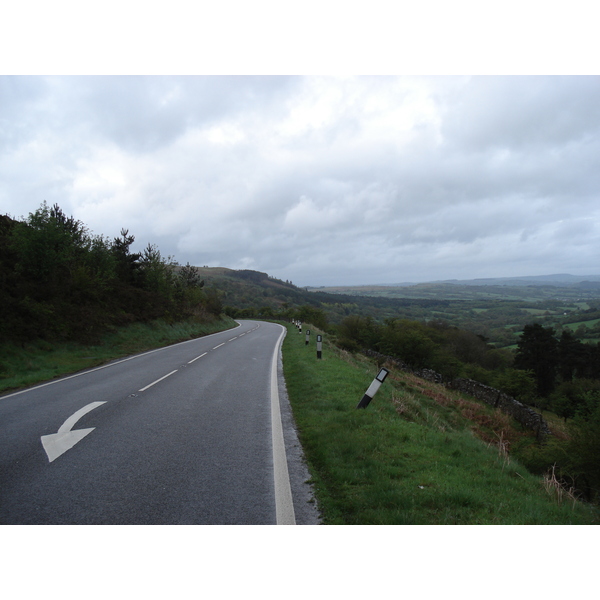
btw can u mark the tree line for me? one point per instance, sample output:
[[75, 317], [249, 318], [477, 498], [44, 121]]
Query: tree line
[[58, 281]]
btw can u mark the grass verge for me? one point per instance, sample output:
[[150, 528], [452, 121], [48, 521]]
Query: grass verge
[[31, 363], [416, 455]]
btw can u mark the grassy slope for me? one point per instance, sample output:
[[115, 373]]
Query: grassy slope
[[413, 456]]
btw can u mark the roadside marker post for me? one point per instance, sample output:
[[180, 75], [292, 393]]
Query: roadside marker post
[[307, 337], [319, 345], [383, 373]]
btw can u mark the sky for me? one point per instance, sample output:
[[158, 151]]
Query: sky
[[324, 179]]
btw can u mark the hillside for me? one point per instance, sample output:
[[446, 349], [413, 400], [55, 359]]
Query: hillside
[[498, 313], [418, 454], [246, 293]]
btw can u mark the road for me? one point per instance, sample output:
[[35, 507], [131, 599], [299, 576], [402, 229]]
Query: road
[[194, 433]]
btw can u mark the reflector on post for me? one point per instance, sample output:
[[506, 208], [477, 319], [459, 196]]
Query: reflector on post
[[373, 388], [319, 345]]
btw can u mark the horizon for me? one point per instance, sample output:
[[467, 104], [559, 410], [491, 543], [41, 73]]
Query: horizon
[[548, 276], [408, 283]]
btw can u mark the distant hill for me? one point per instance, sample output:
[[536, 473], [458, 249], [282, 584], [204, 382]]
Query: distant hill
[[246, 289], [254, 293], [496, 311], [560, 280], [532, 288]]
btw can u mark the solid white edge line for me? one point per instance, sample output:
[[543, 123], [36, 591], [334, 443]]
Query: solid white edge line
[[113, 364], [155, 382], [284, 504]]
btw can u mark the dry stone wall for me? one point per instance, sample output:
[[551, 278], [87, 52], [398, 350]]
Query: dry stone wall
[[524, 414]]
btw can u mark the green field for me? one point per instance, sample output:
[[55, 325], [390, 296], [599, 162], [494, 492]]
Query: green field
[[575, 326]]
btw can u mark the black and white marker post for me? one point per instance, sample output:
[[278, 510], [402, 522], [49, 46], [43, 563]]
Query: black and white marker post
[[383, 373], [319, 345], [307, 337]]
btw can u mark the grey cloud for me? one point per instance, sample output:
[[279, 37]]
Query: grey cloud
[[521, 112], [20, 111], [318, 179], [142, 113], [138, 113]]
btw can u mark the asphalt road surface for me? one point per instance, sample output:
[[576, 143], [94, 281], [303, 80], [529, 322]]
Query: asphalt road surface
[[196, 433]]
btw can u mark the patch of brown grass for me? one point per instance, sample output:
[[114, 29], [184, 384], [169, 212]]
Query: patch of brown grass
[[493, 428]]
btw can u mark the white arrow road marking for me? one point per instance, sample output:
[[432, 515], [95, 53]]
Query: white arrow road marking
[[58, 443]]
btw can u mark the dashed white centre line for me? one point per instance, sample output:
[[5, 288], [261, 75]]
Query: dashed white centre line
[[155, 382], [197, 357], [219, 346], [231, 340]]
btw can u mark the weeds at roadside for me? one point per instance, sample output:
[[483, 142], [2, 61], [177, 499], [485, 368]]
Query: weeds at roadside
[[503, 446], [557, 489]]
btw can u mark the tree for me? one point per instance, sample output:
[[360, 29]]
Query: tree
[[356, 332], [583, 449], [49, 245], [538, 352], [466, 346], [517, 383], [213, 302], [573, 398], [127, 263], [572, 356], [316, 316], [189, 276], [409, 341]]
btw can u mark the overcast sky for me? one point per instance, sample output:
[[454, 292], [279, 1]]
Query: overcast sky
[[319, 180], [322, 179]]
